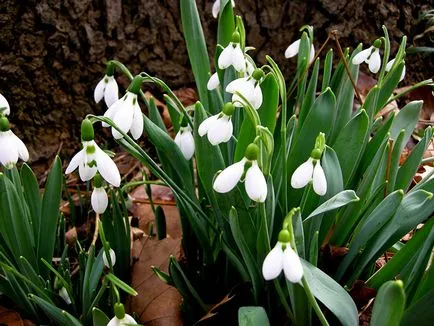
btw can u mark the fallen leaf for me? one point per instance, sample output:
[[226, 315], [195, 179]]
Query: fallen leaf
[[156, 303], [187, 96], [361, 293], [12, 318]]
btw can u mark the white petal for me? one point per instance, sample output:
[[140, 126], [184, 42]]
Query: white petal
[[312, 53], [99, 200], [375, 61], [86, 172], [4, 104], [128, 320], [247, 90], [389, 65], [238, 60], [111, 92], [236, 85], [114, 322], [361, 56], [225, 58], [292, 265], [21, 148], [319, 180], [204, 126], [257, 97], [402, 74], [256, 186], [213, 82], [75, 162], [112, 110], [273, 263], [220, 131], [229, 177], [8, 152], [112, 258], [123, 118], [99, 90], [292, 49], [137, 125], [107, 168], [302, 175], [249, 67], [64, 295], [216, 8], [185, 141]]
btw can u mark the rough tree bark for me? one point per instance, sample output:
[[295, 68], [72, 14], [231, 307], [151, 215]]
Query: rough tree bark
[[52, 53]]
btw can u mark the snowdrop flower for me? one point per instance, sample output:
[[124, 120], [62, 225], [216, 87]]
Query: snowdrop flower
[[99, 199], [126, 113], [213, 82], [282, 257], [389, 67], [11, 147], [64, 295], [92, 159], [371, 56], [249, 88], [216, 7], [4, 106], [311, 170], [112, 258], [218, 127], [232, 55], [185, 141], [121, 318], [107, 88], [254, 181], [294, 47]]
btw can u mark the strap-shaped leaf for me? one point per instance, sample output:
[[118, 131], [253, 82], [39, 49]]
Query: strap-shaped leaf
[[389, 304]]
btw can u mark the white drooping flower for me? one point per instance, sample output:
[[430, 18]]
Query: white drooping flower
[[99, 200], [232, 55], [254, 181], [107, 88], [92, 159], [65, 296], [185, 141], [213, 82], [293, 48], [371, 56], [4, 106], [389, 67], [126, 114], [279, 259], [218, 127], [127, 320], [112, 258], [307, 172], [11, 147], [249, 88], [216, 7]]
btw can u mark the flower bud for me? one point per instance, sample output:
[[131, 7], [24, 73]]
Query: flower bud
[[228, 109], [119, 310], [4, 124], [87, 133], [252, 152], [236, 37]]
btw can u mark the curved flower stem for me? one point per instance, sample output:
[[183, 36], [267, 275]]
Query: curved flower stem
[[385, 56], [314, 303], [140, 183]]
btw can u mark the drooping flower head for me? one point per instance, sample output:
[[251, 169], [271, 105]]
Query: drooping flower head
[[121, 318], [371, 56], [107, 87], [389, 66], [249, 87], [92, 159], [311, 170], [112, 258], [216, 7], [213, 82], [63, 293], [126, 112], [4, 106], [294, 47], [283, 257], [248, 170], [11, 147], [232, 55], [218, 127], [99, 198], [184, 139]]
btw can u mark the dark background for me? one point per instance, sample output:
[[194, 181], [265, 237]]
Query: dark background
[[52, 53]]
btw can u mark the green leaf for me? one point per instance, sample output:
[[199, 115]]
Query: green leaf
[[99, 317], [328, 66], [420, 312], [196, 47], [252, 316], [350, 144], [341, 199], [50, 213], [173, 112], [406, 119], [331, 294], [56, 314], [32, 196], [226, 25], [309, 97], [389, 304], [121, 284], [389, 84]]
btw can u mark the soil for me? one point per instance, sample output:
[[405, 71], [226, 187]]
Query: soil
[[53, 53]]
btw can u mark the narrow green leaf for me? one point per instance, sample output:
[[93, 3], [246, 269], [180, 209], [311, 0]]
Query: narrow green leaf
[[252, 316], [420, 312], [389, 304], [406, 119], [226, 24], [32, 196], [328, 66], [99, 318], [121, 284]]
